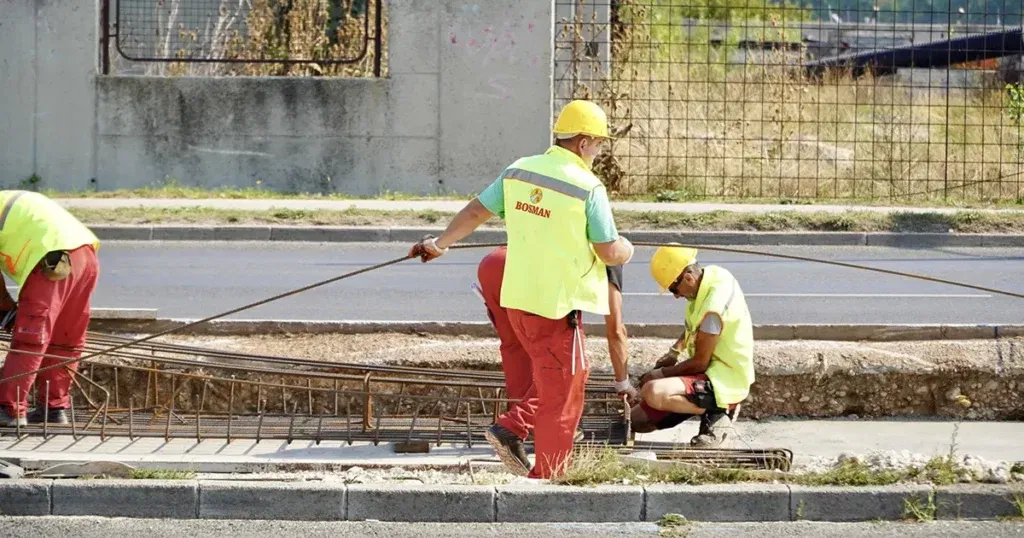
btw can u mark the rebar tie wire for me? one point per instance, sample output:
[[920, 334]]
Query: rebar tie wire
[[495, 245]]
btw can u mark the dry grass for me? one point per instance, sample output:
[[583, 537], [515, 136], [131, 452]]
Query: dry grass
[[239, 30], [702, 126], [960, 222], [594, 465]]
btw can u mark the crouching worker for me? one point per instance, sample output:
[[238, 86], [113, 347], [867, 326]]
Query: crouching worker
[[51, 256], [719, 340]]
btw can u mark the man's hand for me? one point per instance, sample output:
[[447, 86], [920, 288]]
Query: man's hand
[[626, 388], [426, 249], [657, 373], [668, 359]]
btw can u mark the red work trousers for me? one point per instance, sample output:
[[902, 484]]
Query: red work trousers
[[52, 319], [537, 356]]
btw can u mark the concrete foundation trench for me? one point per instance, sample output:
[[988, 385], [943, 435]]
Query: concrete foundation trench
[[968, 379]]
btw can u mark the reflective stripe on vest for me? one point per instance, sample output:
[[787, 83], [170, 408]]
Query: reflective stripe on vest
[[32, 225], [550, 268], [731, 369]]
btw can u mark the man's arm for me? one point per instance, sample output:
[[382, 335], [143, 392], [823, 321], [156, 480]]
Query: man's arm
[[615, 331], [704, 347], [467, 220], [490, 202], [609, 246]]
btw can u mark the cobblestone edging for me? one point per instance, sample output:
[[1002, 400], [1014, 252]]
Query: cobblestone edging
[[483, 329], [358, 234], [213, 499]]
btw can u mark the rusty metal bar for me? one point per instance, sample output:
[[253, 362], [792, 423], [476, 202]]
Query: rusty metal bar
[[348, 420], [367, 402], [170, 412], [71, 407], [231, 408], [46, 409], [131, 418]]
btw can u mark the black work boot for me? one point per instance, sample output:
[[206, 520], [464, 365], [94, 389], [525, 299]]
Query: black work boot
[[715, 430], [510, 449], [7, 421], [53, 416]]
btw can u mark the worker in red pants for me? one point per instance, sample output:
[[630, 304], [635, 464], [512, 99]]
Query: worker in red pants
[[561, 235], [51, 256], [515, 361]]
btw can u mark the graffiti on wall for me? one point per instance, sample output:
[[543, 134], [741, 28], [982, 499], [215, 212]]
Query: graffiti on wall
[[499, 51]]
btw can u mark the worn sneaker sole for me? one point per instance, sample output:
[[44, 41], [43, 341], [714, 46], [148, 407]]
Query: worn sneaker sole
[[506, 457]]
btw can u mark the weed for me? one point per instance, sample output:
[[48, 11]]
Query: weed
[[800, 509], [851, 473], [674, 525], [31, 183], [1018, 503], [1018, 467], [914, 508]]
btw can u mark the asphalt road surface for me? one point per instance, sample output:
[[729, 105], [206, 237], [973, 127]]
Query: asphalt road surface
[[195, 280], [93, 527]]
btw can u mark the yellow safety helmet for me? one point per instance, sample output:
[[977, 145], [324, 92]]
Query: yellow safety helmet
[[582, 117], [668, 263]]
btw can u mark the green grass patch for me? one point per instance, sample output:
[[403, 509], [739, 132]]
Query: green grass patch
[[674, 525], [161, 474], [920, 510], [822, 221]]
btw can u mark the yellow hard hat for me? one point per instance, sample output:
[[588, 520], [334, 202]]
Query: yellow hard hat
[[582, 117], [668, 262]]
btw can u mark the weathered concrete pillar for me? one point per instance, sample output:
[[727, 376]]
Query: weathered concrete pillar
[[49, 63], [496, 64]]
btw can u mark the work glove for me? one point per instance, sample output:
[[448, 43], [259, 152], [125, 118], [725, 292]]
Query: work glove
[[668, 359], [426, 249], [7, 319], [625, 388], [656, 373]]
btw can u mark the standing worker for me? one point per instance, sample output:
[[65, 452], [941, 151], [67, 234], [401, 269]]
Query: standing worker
[[561, 235], [719, 340], [51, 256], [516, 363]]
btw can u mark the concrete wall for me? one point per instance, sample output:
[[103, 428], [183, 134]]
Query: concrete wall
[[469, 91], [48, 62]]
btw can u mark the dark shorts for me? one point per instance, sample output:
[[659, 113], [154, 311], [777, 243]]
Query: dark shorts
[[698, 390]]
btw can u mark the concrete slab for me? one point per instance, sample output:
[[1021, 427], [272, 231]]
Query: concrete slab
[[564, 503], [719, 502], [238, 456], [303, 501], [448, 504], [126, 498], [853, 503], [25, 497], [814, 439], [979, 501]]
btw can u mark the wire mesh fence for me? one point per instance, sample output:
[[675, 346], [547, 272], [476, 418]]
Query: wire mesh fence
[[766, 100], [245, 37]]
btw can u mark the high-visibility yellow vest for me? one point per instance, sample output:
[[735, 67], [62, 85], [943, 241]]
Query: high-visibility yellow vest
[[551, 268], [32, 225], [731, 369]]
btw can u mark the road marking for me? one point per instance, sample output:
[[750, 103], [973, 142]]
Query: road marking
[[844, 295]]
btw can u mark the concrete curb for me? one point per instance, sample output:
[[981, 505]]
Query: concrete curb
[[482, 329], [359, 234], [211, 499]]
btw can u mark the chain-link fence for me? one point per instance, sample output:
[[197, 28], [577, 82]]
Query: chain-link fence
[[244, 37], [758, 99]]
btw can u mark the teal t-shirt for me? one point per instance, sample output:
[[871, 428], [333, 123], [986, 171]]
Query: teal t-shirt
[[600, 222]]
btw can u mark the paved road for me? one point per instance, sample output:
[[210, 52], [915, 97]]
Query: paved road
[[194, 280], [93, 527], [452, 206]]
